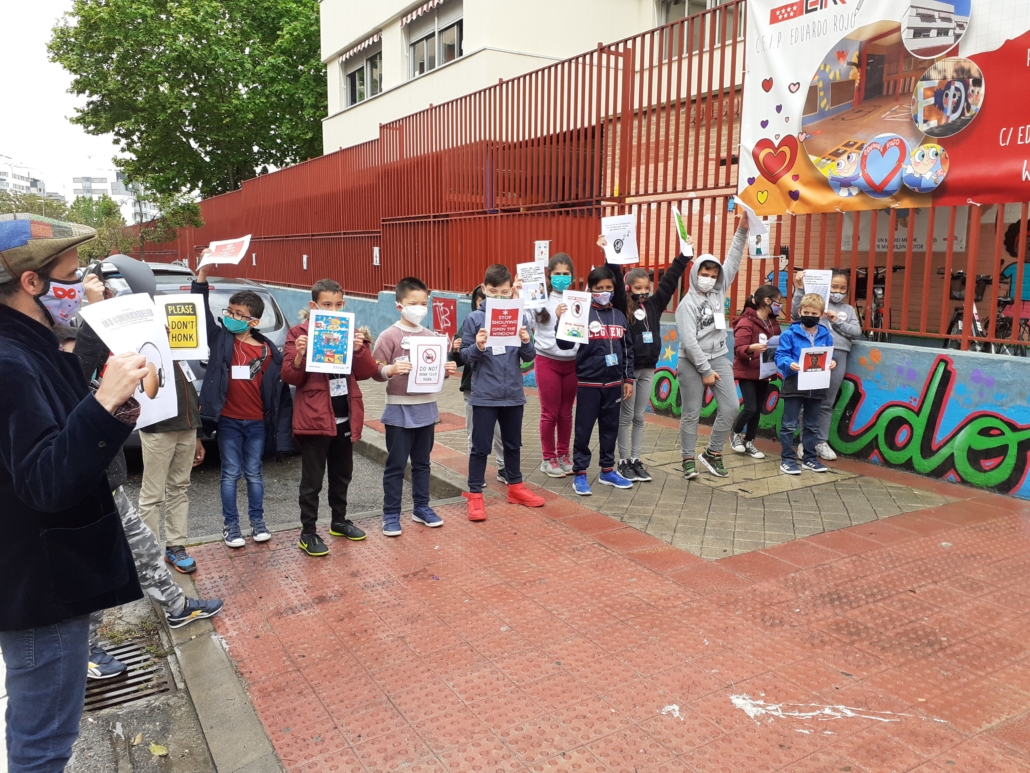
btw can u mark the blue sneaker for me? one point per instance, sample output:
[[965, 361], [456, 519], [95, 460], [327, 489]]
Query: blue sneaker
[[392, 524], [612, 478], [580, 485], [194, 609], [425, 515], [103, 666], [259, 532], [815, 466], [789, 467], [177, 556], [232, 536]]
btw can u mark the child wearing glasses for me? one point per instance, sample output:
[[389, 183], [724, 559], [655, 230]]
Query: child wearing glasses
[[243, 393]]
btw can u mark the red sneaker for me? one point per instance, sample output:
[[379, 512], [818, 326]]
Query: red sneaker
[[518, 494], [476, 510]]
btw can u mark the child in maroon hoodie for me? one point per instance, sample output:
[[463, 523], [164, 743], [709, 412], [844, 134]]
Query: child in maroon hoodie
[[328, 413], [751, 334]]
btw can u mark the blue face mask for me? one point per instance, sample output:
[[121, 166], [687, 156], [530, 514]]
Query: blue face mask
[[235, 326], [602, 299], [561, 282]]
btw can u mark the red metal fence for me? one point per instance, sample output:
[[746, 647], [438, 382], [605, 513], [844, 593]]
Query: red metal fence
[[634, 126]]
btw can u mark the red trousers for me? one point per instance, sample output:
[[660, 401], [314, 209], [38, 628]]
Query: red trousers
[[556, 385]]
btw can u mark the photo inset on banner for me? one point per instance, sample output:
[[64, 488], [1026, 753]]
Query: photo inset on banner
[[933, 27], [859, 91], [947, 97]]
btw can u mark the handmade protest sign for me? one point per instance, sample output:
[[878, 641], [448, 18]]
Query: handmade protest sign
[[542, 251], [573, 323], [428, 355], [815, 368], [184, 317], [620, 231], [818, 281], [330, 342], [503, 321], [130, 323], [534, 285], [228, 251]]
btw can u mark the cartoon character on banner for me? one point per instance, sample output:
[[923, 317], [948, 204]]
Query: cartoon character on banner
[[976, 96], [844, 176], [926, 168]]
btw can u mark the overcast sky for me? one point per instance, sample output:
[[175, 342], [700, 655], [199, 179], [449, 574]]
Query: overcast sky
[[35, 104]]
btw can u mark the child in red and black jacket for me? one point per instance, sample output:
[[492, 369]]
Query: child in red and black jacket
[[604, 367], [752, 331]]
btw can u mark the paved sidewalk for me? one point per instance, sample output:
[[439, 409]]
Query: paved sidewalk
[[564, 639]]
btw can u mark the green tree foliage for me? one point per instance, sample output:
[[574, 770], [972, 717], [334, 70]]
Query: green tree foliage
[[105, 216], [173, 213], [16, 201], [199, 94]]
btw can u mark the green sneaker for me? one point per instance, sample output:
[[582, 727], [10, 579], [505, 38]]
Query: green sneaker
[[689, 470], [714, 464]]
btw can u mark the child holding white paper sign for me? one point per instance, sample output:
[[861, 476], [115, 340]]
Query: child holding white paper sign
[[703, 361], [803, 334], [846, 327], [752, 332]]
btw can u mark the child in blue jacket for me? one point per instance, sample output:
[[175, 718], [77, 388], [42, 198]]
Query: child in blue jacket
[[604, 367], [803, 334]]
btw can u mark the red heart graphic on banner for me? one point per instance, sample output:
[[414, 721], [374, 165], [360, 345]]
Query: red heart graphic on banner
[[767, 85], [885, 169], [774, 161]]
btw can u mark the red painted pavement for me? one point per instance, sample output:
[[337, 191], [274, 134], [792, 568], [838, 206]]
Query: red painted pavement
[[561, 640]]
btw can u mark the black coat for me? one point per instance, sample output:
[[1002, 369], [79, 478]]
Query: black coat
[[646, 355], [63, 549], [275, 395]]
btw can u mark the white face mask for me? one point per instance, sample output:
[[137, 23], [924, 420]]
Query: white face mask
[[706, 283], [414, 314]]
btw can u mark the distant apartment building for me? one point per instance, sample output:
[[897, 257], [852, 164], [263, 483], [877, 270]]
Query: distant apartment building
[[17, 178], [112, 183], [932, 27], [388, 59]]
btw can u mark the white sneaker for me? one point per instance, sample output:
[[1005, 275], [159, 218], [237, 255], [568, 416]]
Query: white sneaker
[[754, 453], [550, 468], [565, 463], [737, 443], [825, 452]]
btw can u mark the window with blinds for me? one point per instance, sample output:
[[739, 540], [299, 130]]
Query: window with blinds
[[435, 38]]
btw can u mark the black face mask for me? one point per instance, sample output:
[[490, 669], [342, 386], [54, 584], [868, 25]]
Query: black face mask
[[809, 321], [638, 297]]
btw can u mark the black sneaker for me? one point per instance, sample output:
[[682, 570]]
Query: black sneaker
[[641, 471], [627, 470], [714, 464], [312, 545], [502, 476], [346, 529]]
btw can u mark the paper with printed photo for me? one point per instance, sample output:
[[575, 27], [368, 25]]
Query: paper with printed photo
[[130, 323], [767, 367], [428, 358], [534, 285], [330, 342], [573, 324], [229, 251], [620, 231], [815, 368]]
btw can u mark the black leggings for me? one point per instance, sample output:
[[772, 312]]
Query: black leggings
[[753, 394]]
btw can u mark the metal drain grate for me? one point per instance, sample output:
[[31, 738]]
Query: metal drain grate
[[145, 676]]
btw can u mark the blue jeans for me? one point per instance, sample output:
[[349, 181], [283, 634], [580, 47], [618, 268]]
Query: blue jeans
[[403, 444], [241, 444], [789, 424], [46, 689]]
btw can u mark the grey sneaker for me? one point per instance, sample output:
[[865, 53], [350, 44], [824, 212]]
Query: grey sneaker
[[565, 463], [825, 452], [550, 468], [737, 443], [750, 450]]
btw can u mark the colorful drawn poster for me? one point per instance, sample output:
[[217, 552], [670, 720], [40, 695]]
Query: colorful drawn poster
[[542, 251], [229, 251], [428, 357], [573, 323], [183, 316], [815, 364], [620, 233], [330, 342], [534, 285], [503, 322], [445, 316], [873, 104], [818, 281], [130, 323], [686, 249]]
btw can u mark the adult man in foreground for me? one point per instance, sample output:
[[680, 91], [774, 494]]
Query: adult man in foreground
[[64, 550]]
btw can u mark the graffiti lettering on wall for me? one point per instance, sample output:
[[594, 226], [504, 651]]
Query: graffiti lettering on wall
[[986, 449]]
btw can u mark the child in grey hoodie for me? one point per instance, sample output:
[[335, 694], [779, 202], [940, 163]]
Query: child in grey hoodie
[[846, 327], [703, 362]]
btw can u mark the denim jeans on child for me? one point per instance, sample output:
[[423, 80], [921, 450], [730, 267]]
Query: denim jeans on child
[[789, 424], [46, 688], [402, 444], [241, 444]]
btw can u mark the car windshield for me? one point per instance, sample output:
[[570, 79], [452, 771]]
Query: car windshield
[[219, 299]]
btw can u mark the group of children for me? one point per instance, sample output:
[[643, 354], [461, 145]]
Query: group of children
[[603, 381]]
